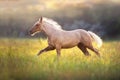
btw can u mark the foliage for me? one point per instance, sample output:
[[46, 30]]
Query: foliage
[[18, 61], [17, 20]]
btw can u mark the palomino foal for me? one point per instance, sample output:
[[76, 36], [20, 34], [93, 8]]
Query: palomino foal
[[59, 38]]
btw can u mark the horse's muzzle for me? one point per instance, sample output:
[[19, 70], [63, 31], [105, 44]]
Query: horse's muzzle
[[30, 33]]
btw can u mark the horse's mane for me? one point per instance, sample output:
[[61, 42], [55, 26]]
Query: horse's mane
[[52, 22]]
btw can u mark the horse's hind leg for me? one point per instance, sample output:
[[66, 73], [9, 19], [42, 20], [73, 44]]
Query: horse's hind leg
[[83, 49], [93, 49], [46, 49]]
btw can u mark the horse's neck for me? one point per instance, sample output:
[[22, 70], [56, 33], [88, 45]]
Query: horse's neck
[[49, 30]]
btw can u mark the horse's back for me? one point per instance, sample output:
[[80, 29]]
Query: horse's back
[[66, 39], [71, 38]]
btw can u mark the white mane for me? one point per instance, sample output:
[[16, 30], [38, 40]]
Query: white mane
[[52, 22]]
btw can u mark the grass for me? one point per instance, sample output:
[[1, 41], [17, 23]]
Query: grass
[[18, 61]]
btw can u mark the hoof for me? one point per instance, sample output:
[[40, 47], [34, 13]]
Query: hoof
[[99, 55], [88, 55], [38, 54]]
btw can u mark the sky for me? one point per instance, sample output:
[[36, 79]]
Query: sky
[[46, 4]]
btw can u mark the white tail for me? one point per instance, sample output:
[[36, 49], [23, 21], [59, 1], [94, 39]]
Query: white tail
[[96, 38]]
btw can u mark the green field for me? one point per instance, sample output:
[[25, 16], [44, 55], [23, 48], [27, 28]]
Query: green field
[[18, 61]]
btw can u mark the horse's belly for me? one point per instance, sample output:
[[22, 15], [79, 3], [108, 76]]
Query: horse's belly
[[69, 44]]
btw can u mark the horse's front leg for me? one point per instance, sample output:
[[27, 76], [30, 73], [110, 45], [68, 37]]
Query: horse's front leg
[[58, 49], [49, 48]]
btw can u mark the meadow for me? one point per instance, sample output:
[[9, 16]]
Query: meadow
[[18, 61]]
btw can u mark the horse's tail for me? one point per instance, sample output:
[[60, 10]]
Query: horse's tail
[[96, 38]]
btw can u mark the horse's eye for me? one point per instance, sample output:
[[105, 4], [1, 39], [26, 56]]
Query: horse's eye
[[37, 24]]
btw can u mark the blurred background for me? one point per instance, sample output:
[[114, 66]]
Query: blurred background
[[99, 16]]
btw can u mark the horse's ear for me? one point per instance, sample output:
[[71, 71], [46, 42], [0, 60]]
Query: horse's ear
[[40, 20]]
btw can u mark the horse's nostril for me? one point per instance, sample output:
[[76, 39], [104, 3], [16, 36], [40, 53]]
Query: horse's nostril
[[29, 32]]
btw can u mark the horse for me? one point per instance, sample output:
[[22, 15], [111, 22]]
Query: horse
[[62, 39]]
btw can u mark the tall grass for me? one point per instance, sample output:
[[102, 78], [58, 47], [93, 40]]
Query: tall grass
[[18, 61]]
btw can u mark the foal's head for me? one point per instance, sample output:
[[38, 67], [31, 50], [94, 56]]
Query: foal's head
[[36, 27]]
